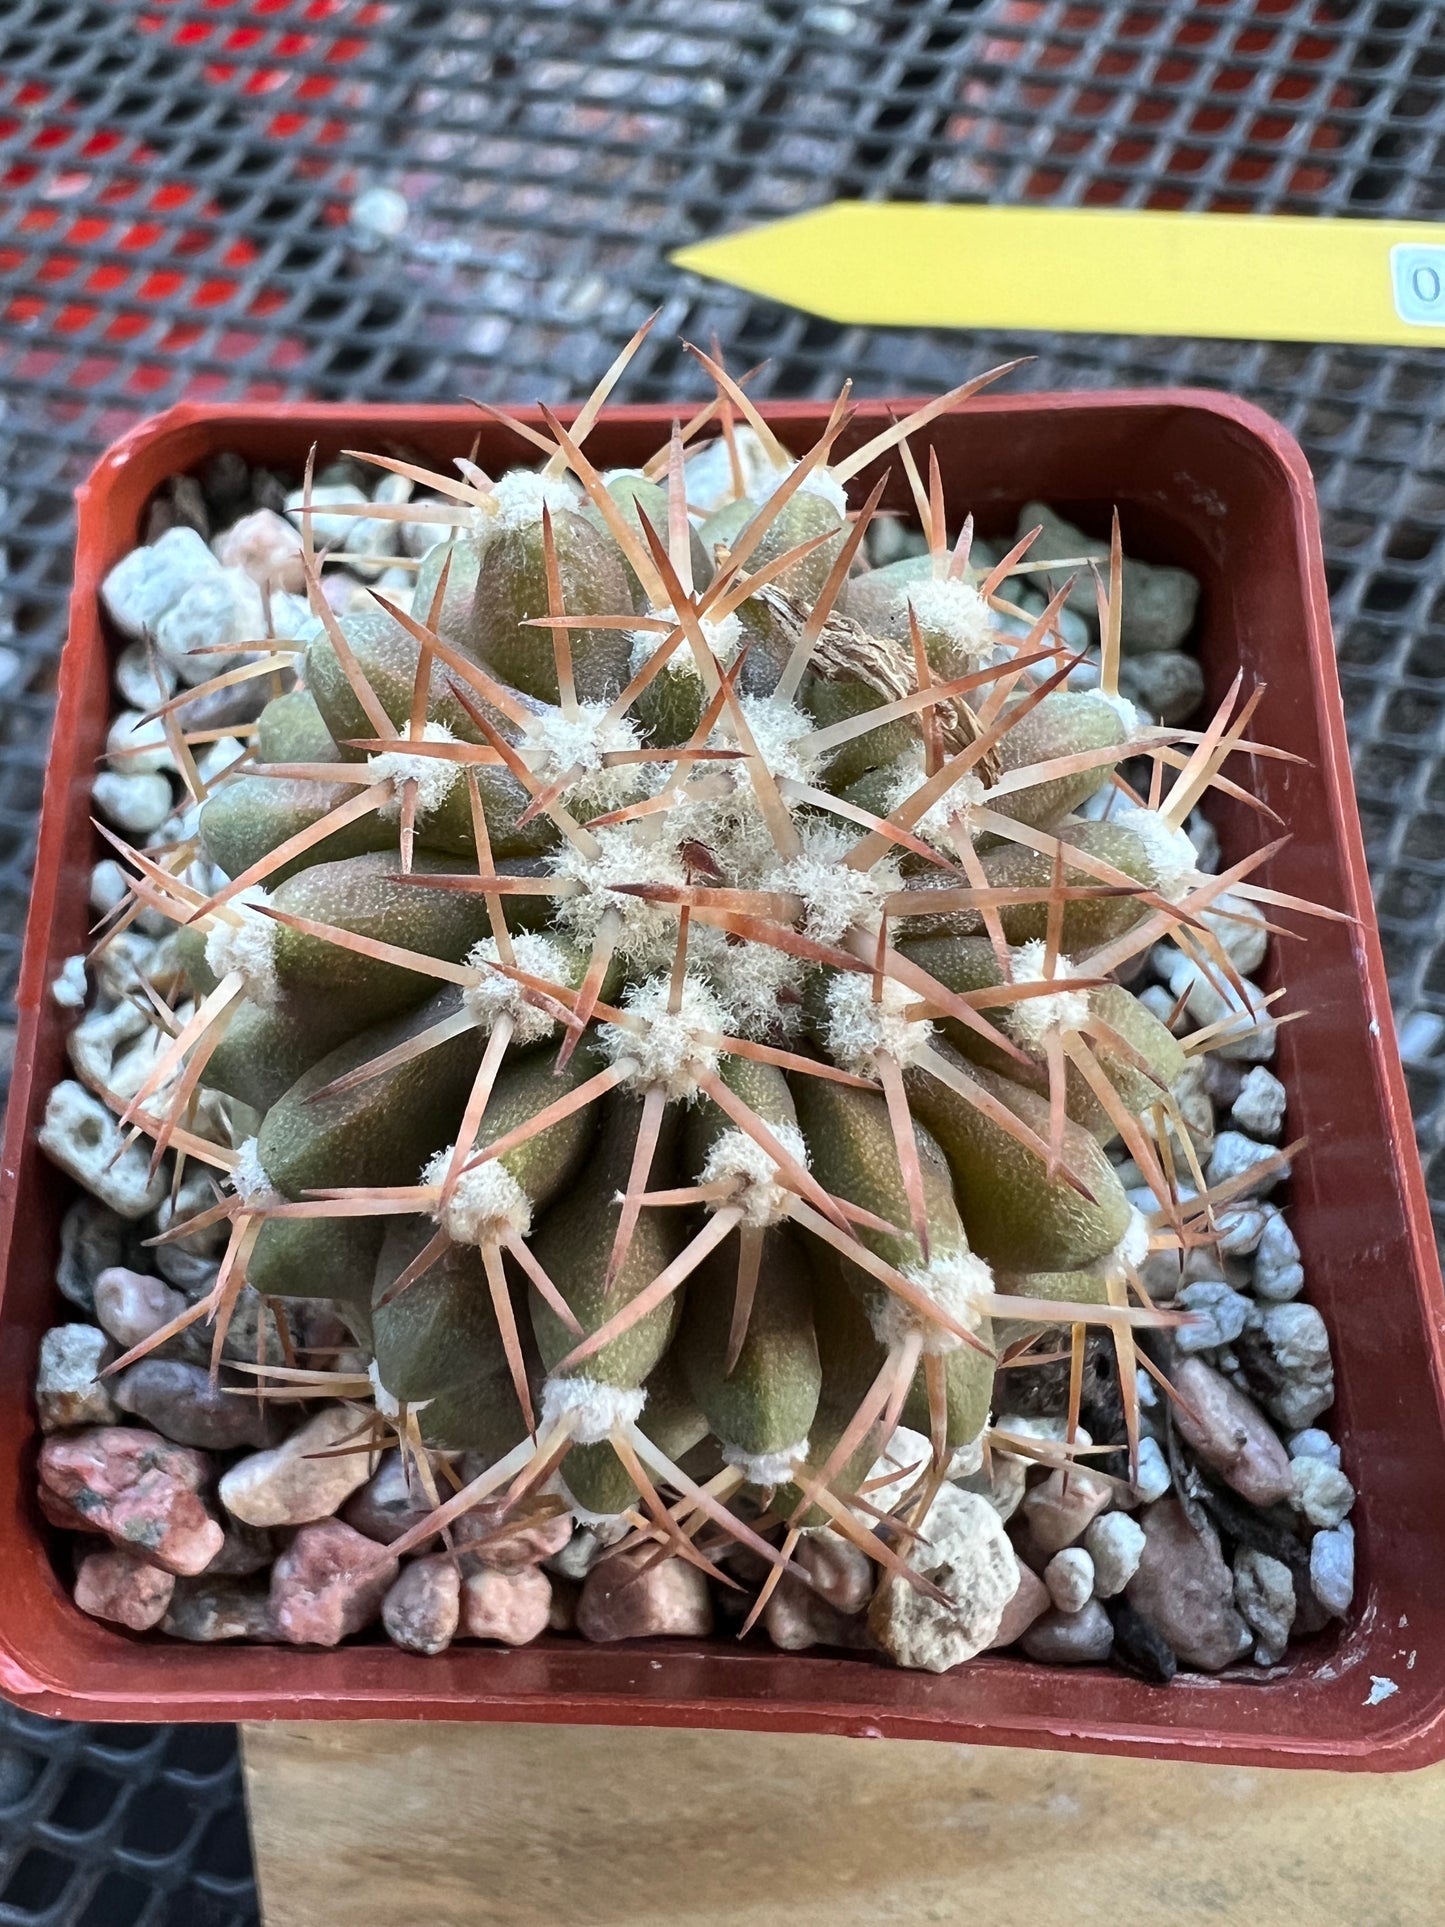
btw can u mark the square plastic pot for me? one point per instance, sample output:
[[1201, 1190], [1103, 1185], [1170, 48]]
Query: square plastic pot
[[1201, 480]]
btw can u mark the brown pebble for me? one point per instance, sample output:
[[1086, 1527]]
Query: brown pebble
[[1231, 1434], [621, 1600], [119, 1585]]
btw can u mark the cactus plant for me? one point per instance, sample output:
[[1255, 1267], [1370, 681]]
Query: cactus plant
[[671, 975]]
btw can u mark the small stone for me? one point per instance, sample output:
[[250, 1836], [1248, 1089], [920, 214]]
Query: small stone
[[328, 531], [1289, 1354], [895, 1471], [1241, 929], [1220, 1314], [1168, 685], [1241, 1226], [1264, 1598], [209, 1609], [68, 987], [226, 483], [1082, 1638], [1069, 1577], [510, 1607], [137, 1489], [1158, 1002], [138, 804], [562, 1613], [621, 1600], [1223, 1079], [68, 1388], [132, 1305], [329, 1582], [842, 1573], [964, 1550], [1140, 1648], [390, 1503], [1259, 1109], [1115, 1543], [578, 1556], [183, 1404], [135, 747], [1057, 1516], [1312, 1443], [1030, 1600], [120, 1585], [92, 1238], [1321, 1492], [1154, 1477], [422, 1610], [1251, 1033], [1159, 600], [143, 679], [224, 613], [512, 1546], [288, 1486], [245, 1549], [146, 583], [1231, 1434], [1332, 1569], [1194, 1105], [1278, 1274], [797, 1619], [267, 547], [1237, 1156], [1186, 1591]]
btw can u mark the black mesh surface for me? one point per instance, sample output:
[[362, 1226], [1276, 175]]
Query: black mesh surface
[[392, 199]]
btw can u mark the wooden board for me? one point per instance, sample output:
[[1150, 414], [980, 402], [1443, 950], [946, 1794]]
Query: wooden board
[[464, 1826]]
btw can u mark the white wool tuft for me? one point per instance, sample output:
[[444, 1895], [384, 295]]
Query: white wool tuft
[[968, 790], [486, 1204], [673, 1051], [1133, 1248], [249, 1180], [835, 898], [517, 499], [1126, 712], [556, 743], [955, 1281], [594, 1410], [248, 946], [760, 985], [626, 853], [496, 994], [819, 481], [723, 638], [860, 1031], [606, 1527], [760, 1195], [957, 612], [779, 728], [381, 1398], [1037, 1018], [1170, 852], [434, 776], [767, 1469]]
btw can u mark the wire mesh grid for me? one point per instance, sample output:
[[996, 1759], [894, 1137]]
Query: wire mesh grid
[[390, 199]]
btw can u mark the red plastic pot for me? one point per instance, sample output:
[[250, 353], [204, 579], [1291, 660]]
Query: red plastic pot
[[1202, 480]]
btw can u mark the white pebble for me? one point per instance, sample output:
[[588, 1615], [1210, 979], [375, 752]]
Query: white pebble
[[143, 678], [80, 1135], [1115, 1543], [134, 747], [1321, 1492], [1237, 1156], [1332, 1569], [220, 613], [328, 531], [267, 547], [68, 986], [1154, 1477], [1069, 1576], [1241, 930], [1278, 1273], [1264, 1598], [148, 582], [1241, 1226], [1313, 1443], [1259, 1108], [1250, 1038], [1156, 999], [1205, 838], [1220, 1313], [1420, 1035], [139, 804]]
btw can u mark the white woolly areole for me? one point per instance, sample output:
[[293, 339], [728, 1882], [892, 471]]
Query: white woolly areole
[[517, 499], [497, 995], [834, 898], [1036, 1018], [381, 1398], [557, 743], [594, 1411], [1122, 707], [1133, 1248], [724, 638], [861, 1031], [434, 776], [486, 1204], [955, 1281], [1171, 853], [766, 1468], [674, 1050], [778, 728], [935, 826], [247, 946], [626, 853], [759, 1194], [249, 1180], [760, 986], [957, 612], [606, 1527]]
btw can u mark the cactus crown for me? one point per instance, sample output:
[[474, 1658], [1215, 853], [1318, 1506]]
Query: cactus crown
[[695, 949]]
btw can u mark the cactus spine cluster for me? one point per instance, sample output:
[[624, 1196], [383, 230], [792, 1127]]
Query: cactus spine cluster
[[673, 973]]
